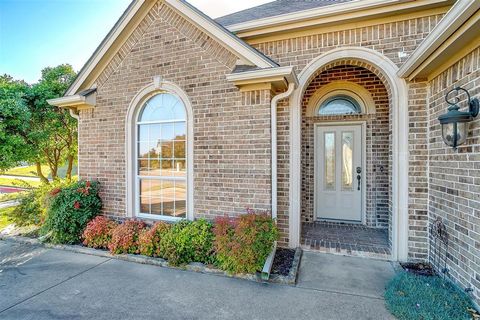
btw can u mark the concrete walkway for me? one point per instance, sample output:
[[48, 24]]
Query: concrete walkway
[[38, 283]]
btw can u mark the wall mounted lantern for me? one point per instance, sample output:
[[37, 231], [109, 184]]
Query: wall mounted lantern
[[455, 122]]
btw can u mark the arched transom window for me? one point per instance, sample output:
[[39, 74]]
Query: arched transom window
[[339, 105], [161, 173]]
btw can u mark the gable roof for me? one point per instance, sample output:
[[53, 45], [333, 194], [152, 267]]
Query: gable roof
[[274, 8], [130, 19]]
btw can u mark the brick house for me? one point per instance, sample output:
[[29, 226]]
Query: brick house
[[322, 112]]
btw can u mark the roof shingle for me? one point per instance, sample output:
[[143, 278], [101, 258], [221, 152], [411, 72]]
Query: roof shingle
[[273, 9]]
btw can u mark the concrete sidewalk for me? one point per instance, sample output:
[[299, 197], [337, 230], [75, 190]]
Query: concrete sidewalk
[[38, 283]]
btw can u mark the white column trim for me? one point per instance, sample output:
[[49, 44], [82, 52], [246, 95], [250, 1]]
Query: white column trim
[[399, 109], [157, 86]]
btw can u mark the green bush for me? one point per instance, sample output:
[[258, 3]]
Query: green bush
[[149, 239], [33, 204], [70, 209], [410, 296], [243, 244], [187, 242]]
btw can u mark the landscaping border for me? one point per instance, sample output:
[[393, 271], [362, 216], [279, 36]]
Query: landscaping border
[[193, 267], [291, 279]]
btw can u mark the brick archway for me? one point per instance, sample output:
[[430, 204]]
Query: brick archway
[[386, 70]]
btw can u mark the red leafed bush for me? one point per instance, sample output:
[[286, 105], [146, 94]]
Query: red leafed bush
[[98, 233], [242, 244], [149, 239], [125, 237]]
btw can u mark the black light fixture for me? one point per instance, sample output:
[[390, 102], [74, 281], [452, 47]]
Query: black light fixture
[[455, 122]]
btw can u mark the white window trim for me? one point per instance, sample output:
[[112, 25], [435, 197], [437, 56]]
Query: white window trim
[[158, 86], [341, 88]]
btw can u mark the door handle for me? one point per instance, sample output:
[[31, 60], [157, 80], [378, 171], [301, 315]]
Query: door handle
[[359, 177]]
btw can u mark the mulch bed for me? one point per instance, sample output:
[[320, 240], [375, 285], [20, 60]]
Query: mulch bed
[[283, 261], [422, 269]]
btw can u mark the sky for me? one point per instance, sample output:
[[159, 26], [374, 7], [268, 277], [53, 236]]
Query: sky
[[35, 34]]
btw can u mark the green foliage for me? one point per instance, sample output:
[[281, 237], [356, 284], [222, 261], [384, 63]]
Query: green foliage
[[10, 196], [149, 239], [187, 242], [125, 237], [5, 217], [30, 129], [33, 204], [98, 233], [70, 209], [14, 119], [410, 296], [243, 244]]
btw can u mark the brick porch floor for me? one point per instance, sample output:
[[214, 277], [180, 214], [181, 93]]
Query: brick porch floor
[[346, 239]]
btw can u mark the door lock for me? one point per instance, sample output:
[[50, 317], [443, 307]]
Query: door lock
[[359, 177]]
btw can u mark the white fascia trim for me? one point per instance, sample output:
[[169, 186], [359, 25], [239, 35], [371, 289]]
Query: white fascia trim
[[334, 9], [105, 46], [287, 72], [71, 101], [233, 43], [454, 19]]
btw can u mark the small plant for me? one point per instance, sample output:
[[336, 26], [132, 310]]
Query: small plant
[[187, 242], [410, 296], [33, 204], [149, 239], [70, 209], [125, 237], [98, 233], [242, 244]]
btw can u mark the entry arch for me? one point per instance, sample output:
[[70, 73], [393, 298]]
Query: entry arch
[[397, 89]]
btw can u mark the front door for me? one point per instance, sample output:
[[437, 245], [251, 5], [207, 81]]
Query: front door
[[339, 173]]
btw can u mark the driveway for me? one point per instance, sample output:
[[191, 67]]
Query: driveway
[[38, 283]]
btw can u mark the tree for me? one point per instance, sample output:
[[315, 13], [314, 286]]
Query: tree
[[52, 129], [14, 120], [33, 131]]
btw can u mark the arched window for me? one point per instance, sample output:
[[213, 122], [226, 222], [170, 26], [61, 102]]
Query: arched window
[[161, 160], [339, 105]]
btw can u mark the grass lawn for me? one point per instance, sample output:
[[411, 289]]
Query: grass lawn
[[3, 217], [9, 196], [410, 296], [18, 182], [29, 171]]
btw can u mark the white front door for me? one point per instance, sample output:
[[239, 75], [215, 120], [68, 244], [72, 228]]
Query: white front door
[[339, 173]]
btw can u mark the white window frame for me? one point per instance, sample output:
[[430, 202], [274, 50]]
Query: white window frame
[[132, 178]]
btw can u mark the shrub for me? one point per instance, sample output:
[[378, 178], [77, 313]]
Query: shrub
[[125, 237], [70, 209], [98, 233], [33, 204], [243, 244], [187, 242], [149, 239]]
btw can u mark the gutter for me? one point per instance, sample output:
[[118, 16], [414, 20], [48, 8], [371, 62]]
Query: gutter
[[274, 142], [328, 11]]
